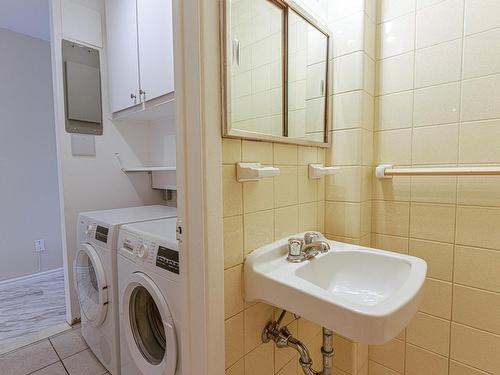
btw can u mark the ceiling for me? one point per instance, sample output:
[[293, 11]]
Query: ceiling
[[30, 17]]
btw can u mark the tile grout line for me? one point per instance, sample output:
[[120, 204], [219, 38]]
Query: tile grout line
[[457, 183], [58, 356], [405, 360]]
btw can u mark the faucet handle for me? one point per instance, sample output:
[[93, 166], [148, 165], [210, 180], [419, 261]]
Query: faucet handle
[[311, 237]]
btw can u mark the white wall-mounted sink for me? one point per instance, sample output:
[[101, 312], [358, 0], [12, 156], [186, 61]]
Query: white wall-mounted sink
[[364, 294]]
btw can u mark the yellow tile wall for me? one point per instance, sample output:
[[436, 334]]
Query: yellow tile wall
[[256, 213], [441, 109]]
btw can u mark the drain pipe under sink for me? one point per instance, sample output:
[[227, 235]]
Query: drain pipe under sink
[[284, 339]]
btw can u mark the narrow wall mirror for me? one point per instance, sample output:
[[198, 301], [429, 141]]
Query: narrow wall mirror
[[307, 79], [275, 73]]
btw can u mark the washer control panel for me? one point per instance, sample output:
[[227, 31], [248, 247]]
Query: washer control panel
[[167, 259], [149, 252]]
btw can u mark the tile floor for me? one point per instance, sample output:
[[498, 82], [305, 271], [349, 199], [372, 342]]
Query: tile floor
[[62, 354]]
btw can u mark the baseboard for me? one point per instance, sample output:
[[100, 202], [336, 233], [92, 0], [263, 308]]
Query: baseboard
[[33, 276]]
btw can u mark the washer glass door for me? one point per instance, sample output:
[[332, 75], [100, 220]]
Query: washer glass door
[[91, 284], [149, 327]]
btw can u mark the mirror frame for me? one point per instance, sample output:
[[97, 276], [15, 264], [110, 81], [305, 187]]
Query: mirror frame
[[225, 44]]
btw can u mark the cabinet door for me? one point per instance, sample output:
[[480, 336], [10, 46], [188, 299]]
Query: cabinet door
[[123, 56], [156, 50]]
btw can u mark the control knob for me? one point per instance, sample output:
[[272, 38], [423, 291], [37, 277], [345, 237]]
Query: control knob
[[88, 229], [142, 251]]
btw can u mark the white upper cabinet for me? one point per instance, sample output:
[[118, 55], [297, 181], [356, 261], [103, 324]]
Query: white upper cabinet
[[140, 51], [123, 58], [156, 59]]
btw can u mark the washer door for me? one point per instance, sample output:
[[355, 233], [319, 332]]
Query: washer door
[[149, 327], [91, 286]]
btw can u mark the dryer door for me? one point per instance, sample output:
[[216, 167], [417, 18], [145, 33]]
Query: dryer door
[[149, 327], [90, 283]]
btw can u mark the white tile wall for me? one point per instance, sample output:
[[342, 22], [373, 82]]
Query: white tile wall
[[390, 9], [481, 15], [396, 36], [440, 23], [348, 34], [341, 9], [479, 142], [346, 75], [438, 64], [437, 105], [435, 145], [348, 110], [394, 111], [370, 36], [395, 74], [482, 54], [426, 3], [480, 98]]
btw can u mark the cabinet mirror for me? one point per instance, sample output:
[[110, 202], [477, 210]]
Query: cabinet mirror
[[276, 77]]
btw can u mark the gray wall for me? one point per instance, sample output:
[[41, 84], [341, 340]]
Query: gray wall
[[29, 197]]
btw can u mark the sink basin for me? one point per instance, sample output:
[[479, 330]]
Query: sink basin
[[367, 295]]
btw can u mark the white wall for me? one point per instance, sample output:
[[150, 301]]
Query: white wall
[[91, 183], [29, 195]]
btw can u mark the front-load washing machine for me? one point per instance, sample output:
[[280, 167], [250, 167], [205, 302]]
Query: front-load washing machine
[[150, 298], [95, 276]]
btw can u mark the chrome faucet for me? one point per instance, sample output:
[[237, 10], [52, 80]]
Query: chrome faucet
[[302, 249]]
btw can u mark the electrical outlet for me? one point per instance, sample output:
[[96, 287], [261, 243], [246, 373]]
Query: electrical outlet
[[39, 246]]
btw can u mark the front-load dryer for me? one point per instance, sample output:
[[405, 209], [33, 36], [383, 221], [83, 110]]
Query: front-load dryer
[[95, 276], [150, 298]]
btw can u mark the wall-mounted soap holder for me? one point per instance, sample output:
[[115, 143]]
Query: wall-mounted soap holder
[[254, 171], [319, 170]]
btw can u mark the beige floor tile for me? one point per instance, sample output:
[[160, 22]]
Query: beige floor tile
[[29, 359], [54, 369], [84, 363], [68, 343]]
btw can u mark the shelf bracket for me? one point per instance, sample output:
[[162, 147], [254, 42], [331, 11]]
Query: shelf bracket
[[254, 172], [319, 170]]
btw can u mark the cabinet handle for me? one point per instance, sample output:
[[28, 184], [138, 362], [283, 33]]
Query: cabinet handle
[[133, 97], [143, 93], [236, 51]]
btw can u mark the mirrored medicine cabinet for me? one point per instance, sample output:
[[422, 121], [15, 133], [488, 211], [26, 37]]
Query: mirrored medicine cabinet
[[276, 72]]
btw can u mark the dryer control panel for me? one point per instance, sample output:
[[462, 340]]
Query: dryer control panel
[[95, 232]]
